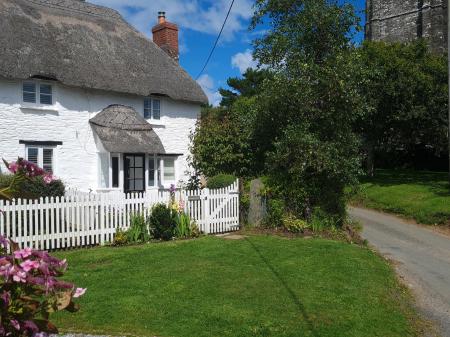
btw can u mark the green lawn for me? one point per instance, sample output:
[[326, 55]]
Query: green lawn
[[423, 196], [259, 286]]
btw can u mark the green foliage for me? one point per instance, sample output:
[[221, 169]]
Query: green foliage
[[163, 222], [293, 224], [406, 90], [185, 228], [276, 209], [121, 238], [221, 142], [36, 187], [139, 229], [221, 181], [6, 180], [247, 86]]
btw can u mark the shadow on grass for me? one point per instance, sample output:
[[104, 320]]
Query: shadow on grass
[[288, 289], [436, 182]]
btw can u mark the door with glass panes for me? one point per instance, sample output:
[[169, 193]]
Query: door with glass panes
[[134, 169]]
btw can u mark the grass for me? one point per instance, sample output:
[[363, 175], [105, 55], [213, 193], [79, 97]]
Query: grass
[[423, 196], [258, 286]]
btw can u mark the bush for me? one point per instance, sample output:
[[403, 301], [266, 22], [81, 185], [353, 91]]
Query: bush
[[294, 225], [185, 227], [36, 187], [121, 238], [30, 290], [163, 222], [275, 213], [5, 180], [138, 231], [221, 181]]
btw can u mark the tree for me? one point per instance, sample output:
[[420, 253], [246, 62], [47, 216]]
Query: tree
[[249, 85], [405, 87], [304, 128]]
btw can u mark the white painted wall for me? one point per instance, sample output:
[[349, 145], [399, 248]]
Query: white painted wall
[[76, 161]]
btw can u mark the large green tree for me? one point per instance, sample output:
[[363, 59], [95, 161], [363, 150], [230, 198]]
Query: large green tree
[[405, 86], [305, 123]]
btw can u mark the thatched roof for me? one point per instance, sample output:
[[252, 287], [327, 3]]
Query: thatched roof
[[121, 129], [88, 46]]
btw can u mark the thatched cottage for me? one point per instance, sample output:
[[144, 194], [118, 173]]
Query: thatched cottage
[[85, 95]]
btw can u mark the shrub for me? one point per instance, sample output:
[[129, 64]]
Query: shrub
[[36, 187], [162, 222], [121, 238], [185, 227], [5, 180], [220, 181], [30, 291], [294, 225], [138, 231], [275, 212]]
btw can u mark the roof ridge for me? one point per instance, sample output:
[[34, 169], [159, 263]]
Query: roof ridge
[[80, 7]]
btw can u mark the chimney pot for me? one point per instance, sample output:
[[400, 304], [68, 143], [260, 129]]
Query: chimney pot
[[161, 17]]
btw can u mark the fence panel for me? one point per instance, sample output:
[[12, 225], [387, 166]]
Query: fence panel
[[84, 219]]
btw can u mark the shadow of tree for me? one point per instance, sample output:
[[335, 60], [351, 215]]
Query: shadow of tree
[[296, 301]]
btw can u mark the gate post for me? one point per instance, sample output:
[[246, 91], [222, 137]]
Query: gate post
[[207, 211]]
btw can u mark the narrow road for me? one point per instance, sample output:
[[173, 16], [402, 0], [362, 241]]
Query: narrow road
[[422, 257]]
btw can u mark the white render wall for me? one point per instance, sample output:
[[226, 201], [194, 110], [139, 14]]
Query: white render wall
[[76, 161]]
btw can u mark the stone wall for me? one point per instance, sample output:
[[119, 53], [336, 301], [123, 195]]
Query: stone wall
[[406, 20]]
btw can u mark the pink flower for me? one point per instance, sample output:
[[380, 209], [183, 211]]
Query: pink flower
[[29, 265], [48, 178], [15, 324], [13, 167], [23, 253], [79, 292], [20, 276]]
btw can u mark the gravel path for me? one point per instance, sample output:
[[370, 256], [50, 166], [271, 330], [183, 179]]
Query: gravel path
[[423, 257]]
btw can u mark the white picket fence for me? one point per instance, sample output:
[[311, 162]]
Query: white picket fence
[[83, 219]]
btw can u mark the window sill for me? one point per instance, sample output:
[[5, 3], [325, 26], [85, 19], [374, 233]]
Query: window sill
[[39, 107], [156, 123]]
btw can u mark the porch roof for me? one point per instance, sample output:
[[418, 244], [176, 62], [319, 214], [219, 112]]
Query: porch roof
[[121, 129]]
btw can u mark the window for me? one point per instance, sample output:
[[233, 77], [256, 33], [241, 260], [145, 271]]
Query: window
[[152, 108], [115, 171], [42, 157], [32, 90], [169, 169], [161, 171]]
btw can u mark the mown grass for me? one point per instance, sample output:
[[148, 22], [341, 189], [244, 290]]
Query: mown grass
[[423, 196], [258, 286]]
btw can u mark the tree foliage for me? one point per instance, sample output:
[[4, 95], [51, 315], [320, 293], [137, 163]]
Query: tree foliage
[[406, 90]]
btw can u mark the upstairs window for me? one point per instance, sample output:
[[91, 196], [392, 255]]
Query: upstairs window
[[40, 93], [152, 108]]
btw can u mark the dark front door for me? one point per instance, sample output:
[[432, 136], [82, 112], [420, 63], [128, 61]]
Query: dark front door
[[134, 165]]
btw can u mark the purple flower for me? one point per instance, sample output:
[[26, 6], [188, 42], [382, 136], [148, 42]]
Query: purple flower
[[15, 324], [23, 253], [79, 292], [172, 188]]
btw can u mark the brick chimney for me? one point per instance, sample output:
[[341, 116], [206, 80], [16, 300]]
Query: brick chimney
[[165, 35]]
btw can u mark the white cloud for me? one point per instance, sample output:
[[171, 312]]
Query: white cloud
[[202, 16], [207, 84], [243, 61]]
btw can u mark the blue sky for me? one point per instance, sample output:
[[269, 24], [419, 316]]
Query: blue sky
[[199, 22]]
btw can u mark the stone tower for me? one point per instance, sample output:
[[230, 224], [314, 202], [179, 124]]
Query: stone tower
[[406, 20]]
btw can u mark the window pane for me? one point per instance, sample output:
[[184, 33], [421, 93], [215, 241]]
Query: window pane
[[151, 171], [115, 171], [138, 161], [169, 169], [103, 170], [156, 109], [46, 89], [48, 160], [29, 92], [147, 108], [32, 155], [46, 99]]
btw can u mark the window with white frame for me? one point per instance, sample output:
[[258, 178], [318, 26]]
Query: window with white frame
[[42, 157], [161, 170], [37, 92], [152, 108]]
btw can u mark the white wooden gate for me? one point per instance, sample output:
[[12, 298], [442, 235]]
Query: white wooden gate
[[215, 210]]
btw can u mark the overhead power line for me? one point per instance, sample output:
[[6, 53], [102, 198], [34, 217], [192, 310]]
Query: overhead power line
[[217, 40]]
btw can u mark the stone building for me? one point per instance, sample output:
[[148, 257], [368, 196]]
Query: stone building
[[406, 20]]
